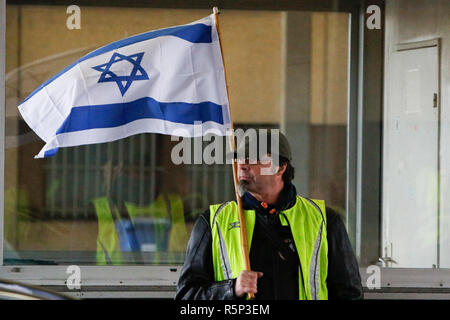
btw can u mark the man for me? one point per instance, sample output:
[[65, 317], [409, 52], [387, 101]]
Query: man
[[298, 249]]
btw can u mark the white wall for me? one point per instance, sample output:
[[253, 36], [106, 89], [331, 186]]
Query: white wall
[[419, 20]]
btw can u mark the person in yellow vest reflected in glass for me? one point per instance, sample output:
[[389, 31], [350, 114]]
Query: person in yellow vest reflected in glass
[[299, 248], [130, 232], [17, 212]]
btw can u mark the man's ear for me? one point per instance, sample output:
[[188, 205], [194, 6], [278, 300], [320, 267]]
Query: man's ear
[[281, 169]]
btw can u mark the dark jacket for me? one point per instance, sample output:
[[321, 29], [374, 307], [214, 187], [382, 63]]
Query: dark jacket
[[280, 279]]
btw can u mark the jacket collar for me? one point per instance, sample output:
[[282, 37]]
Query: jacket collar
[[286, 199]]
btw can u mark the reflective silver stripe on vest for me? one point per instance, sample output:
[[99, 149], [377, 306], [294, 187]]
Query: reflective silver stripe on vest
[[314, 267], [224, 260], [218, 211], [317, 207]]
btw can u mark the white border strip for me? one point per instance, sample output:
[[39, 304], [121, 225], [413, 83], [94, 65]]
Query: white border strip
[[94, 275], [168, 276], [409, 278]]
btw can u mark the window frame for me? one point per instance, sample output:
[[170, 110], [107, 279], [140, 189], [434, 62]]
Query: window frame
[[363, 202], [2, 118]]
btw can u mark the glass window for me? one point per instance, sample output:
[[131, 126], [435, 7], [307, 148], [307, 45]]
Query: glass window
[[126, 202]]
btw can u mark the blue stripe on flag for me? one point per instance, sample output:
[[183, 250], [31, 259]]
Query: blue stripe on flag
[[50, 153], [118, 114], [195, 33]]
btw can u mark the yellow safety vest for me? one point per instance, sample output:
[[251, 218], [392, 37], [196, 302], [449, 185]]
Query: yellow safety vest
[[165, 206], [307, 220]]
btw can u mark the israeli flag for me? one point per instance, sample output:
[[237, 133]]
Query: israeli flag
[[161, 81]]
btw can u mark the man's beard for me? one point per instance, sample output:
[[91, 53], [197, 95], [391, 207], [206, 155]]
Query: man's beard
[[242, 187]]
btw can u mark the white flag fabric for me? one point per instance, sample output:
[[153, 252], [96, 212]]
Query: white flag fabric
[[160, 82]]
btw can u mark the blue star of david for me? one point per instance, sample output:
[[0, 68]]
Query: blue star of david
[[123, 82]]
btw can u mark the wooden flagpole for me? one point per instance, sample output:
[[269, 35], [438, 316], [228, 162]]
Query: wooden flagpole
[[232, 142]]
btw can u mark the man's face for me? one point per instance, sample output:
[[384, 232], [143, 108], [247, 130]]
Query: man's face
[[254, 176]]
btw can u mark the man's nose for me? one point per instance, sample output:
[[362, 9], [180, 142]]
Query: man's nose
[[243, 165]]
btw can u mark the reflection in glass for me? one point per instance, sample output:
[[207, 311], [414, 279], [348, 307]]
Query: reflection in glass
[[126, 202]]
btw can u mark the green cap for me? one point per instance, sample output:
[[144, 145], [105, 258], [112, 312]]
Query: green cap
[[249, 144]]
